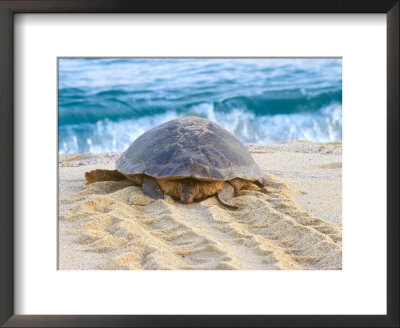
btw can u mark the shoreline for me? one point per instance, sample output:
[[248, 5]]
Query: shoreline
[[297, 225]]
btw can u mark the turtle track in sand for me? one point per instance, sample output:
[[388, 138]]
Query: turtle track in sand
[[115, 226]]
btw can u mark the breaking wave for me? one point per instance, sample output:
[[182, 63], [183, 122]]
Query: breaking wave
[[106, 104]]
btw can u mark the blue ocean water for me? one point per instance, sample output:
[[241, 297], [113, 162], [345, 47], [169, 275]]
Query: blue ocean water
[[105, 104]]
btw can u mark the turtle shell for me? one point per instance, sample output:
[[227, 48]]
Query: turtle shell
[[189, 147]]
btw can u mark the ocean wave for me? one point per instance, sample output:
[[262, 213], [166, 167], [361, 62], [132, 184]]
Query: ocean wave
[[105, 103], [117, 105], [105, 135]]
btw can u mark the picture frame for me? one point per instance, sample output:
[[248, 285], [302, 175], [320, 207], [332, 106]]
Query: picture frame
[[7, 10]]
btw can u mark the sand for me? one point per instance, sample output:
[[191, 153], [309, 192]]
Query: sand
[[296, 225]]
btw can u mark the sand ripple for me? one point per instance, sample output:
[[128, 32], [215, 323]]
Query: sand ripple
[[131, 231]]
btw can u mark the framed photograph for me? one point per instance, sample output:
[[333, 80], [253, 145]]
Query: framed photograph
[[218, 164]]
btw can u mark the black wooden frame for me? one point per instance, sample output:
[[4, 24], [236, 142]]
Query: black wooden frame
[[7, 10]]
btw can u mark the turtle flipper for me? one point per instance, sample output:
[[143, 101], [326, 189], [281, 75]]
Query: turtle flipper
[[262, 184], [226, 193], [151, 188], [104, 175], [237, 184]]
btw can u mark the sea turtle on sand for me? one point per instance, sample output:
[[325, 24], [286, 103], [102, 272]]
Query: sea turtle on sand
[[189, 159]]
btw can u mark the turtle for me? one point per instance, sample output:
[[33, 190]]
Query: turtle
[[190, 159]]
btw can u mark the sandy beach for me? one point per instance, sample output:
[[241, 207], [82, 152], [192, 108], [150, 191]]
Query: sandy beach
[[295, 225]]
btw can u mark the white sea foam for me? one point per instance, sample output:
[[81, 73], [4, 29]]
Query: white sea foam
[[324, 125], [104, 104]]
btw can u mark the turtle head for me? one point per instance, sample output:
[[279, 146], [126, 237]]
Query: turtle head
[[188, 189]]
